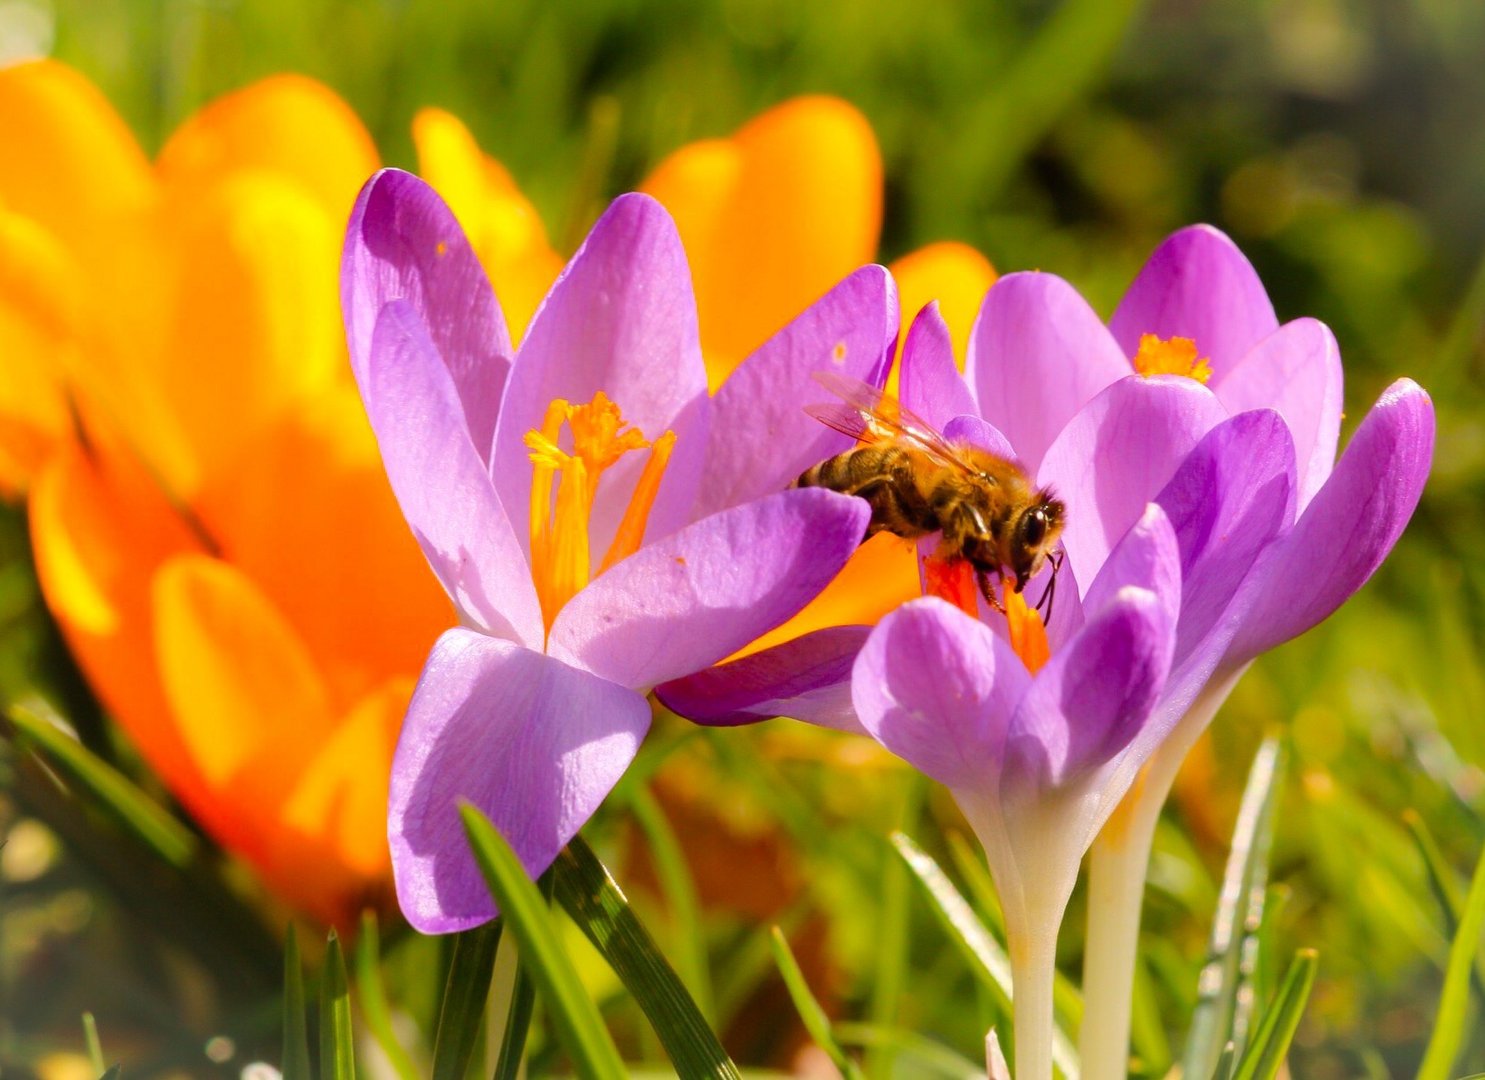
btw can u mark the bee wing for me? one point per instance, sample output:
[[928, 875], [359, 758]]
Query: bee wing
[[871, 414]]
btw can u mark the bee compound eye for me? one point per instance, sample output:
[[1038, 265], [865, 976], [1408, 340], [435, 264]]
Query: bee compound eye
[[1034, 528]]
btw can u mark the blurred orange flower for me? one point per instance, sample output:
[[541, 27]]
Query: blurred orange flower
[[210, 522]]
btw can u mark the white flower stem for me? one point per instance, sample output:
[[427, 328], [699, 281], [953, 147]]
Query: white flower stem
[[1033, 965], [1117, 865]]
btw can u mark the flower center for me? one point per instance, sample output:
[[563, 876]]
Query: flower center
[[1171, 356], [954, 580], [564, 485]]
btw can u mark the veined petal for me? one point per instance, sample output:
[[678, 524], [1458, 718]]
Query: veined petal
[[1296, 371], [954, 276], [772, 217], [1095, 695], [761, 437], [1197, 285], [403, 243], [1349, 526], [974, 431], [71, 162], [938, 689], [441, 483], [620, 319], [533, 743], [505, 229], [807, 678], [929, 382], [681, 604], [287, 125], [1137, 432], [280, 514], [1037, 355], [1228, 500]]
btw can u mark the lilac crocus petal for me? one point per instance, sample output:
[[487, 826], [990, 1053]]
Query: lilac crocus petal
[[937, 688], [762, 438], [808, 679], [1197, 285], [1231, 496], [533, 743], [930, 383], [441, 483], [1037, 354], [1116, 455], [1349, 526], [621, 319], [1297, 371], [1147, 557], [1095, 695], [681, 604], [403, 243], [971, 430]]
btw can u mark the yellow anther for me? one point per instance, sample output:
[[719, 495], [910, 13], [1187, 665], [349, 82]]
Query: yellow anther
[[1171, 356], [561, 559]]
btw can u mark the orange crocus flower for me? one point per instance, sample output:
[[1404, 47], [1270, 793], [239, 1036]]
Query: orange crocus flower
[[211, 526]]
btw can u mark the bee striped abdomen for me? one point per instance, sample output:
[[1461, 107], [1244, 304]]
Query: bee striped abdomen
[[884, 477]]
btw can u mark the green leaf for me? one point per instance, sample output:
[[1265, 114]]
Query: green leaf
[[810, 1011], [987, 959], [94, 1045], [599, 908], [1449, 1024], [916, 1055], [1217, 1020], [1270, 1044], [1444, 885], [461, 1017], [517, 1021], [679, 891], [296, 1021], [373, 996], [337, 1044], [114, 1072], [575, 1016]]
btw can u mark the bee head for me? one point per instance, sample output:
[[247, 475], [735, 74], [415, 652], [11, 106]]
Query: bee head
[[1034, 535]]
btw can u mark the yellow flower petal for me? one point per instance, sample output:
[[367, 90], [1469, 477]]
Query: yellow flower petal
[[772, 217], [70, 162], [505, 229], [954, 274], [99, 528], [881, 575], [306, 512], [257, 322], [39, 298], [286, 125]]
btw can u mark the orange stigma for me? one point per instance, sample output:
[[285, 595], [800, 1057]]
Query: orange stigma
[[952, 580], [1028, 635], [1171, 356], [561, 562]]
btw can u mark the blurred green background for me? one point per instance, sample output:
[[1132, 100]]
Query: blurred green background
[[1338, 141]]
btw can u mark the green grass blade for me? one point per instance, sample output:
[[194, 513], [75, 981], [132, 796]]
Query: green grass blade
[[337, 1044], [599, 908], [575, 1016], [679, 890], [1453, 1015], [808, 1006], [94, 1045], [141, 816], [1445, 887], [987, 959], [296, 1020], [115, 1071], [1270, 1044], [373, 997], [461, 1017], [1239, 916], [517, 1025], [916, 1055]]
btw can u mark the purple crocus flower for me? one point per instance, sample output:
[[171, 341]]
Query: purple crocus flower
[[600, 523], [1230, 427]]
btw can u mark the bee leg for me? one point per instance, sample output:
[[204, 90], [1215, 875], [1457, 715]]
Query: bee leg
[[1050, 592], [987, 590]]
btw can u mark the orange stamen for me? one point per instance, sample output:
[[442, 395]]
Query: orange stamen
[[952, 580], [1171, 356], [1028, 635], [561, 559]]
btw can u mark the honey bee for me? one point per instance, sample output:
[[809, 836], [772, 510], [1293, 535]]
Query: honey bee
[[988, 511]]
